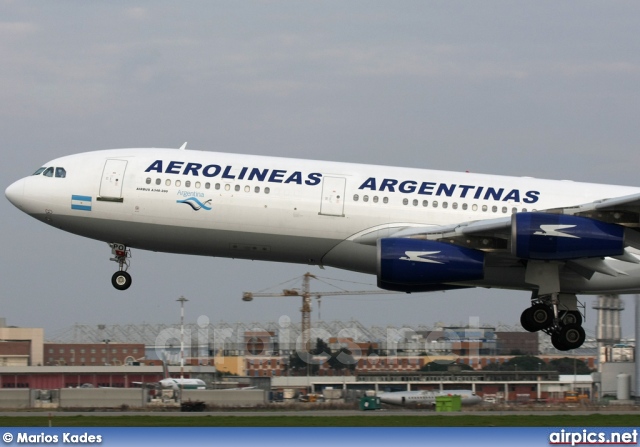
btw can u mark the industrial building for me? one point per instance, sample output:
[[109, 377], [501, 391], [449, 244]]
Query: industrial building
[[123, 356], [121, 376], [82, 354]]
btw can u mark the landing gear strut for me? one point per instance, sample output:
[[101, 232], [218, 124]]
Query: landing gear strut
[[121, 280]]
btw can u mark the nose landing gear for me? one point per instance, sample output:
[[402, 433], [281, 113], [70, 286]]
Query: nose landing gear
[[121, 280]]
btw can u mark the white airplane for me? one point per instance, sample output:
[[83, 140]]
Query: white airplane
[[416, 230], [185, 384], [467, 397], [177, 383]]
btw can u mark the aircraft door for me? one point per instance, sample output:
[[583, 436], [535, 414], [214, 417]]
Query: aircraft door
[[332, 201], [112, 179]]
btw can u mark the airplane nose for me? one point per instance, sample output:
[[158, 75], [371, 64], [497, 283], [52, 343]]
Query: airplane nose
[[15, 192]]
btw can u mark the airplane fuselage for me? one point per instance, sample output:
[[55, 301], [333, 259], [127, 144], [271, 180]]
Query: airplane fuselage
[[184, 384], [427, 398], [287, 210]]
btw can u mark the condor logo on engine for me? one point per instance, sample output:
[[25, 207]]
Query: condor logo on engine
[[554, 230], [543, 236], [420, 256], [415, 265]]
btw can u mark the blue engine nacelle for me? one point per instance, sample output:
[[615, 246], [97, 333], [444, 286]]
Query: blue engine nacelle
[[411, 265], [544, 236]]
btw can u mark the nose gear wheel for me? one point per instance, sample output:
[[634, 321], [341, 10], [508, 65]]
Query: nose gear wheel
[[121, 280]]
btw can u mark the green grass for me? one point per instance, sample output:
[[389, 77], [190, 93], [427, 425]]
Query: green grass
[[427, 420]]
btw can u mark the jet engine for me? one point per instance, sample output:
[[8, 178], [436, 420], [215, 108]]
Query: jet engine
[[411, 265], [545, 236]]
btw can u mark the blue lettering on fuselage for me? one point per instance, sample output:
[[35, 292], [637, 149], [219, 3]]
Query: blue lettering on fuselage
[[231, 173], [450, 190]]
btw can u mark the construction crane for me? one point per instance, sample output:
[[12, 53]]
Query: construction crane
[[306, 295]]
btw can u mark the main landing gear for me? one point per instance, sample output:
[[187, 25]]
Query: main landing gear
[[556, 315], [121, 280], [552, 312]]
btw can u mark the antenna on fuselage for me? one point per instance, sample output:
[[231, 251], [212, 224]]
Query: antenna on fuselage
[[184, 146]]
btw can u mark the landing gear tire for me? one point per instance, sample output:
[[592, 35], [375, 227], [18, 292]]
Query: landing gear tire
[[525, 321], [572, 317], [121, 280], [570, 336], [537, 317]]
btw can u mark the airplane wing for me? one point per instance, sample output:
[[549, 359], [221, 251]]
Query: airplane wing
[[502, 238], [630, 203]]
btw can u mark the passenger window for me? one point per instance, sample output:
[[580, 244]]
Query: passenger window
[[48, 172], [217, 185], [198, 185], [187, 184], [256, 189], [247, 188], [207, 185], [454, 205], [227, 187], [237, 188], [178, 183], [425, 203], [365, 198], [435, 204], [61, 173], [465, 206], [415, 202], [445, 204], [158, 181], [405, 201], [39, 171], [375, 199], [267, 190], [356, 197], [148, 181], [167, 182]]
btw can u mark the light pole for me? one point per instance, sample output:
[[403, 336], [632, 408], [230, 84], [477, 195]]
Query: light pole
[[181, 300]]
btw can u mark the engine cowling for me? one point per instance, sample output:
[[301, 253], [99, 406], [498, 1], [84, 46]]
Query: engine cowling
[[411, 265], [543, 236]]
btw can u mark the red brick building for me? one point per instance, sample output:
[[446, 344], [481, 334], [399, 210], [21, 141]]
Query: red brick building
[[92, 354]]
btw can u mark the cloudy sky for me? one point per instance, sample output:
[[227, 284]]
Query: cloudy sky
[[535, 88]]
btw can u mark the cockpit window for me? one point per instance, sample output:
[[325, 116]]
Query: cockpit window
[[49, 172]]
